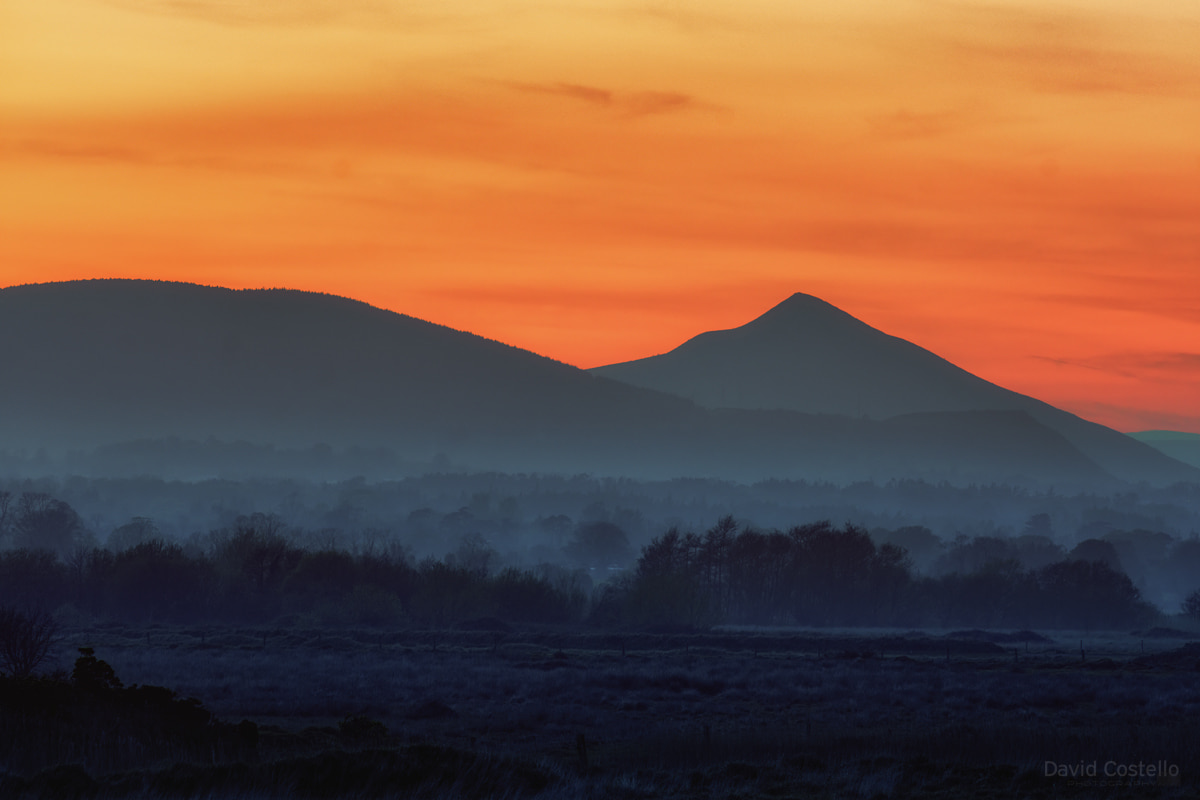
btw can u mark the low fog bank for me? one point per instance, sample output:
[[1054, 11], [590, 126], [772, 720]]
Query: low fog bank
[[582, 534], [963, 449], [178, 459]]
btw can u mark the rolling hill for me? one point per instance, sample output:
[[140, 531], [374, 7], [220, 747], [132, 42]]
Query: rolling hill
[[91, 363], [806, 355], [94, 362]]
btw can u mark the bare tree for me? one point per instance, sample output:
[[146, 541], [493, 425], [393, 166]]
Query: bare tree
[[474, 554], [43, 522], [5, 514], [25, 640], [133, 533], [1191, 606]]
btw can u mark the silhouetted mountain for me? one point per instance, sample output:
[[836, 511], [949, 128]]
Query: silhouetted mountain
[[94, 362], [1178, 445], [806, 355]]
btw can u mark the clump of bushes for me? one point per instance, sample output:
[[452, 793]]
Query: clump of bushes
[[90, 718]]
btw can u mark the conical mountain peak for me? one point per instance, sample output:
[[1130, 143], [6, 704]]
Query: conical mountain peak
[[809, 356], [800, 304], [800, 312]]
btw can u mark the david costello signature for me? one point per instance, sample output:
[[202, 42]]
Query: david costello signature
[[1153, 770]]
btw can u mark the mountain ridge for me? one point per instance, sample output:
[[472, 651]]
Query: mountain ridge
[[98, 362]]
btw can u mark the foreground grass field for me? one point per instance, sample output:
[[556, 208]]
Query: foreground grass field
[[556, 713]]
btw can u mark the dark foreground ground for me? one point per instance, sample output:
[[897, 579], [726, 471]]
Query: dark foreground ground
[[557, 714]]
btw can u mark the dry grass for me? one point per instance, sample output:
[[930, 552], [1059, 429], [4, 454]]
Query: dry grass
[[687, 716]]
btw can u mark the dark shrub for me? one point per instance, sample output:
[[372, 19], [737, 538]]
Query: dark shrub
[[25, 640]]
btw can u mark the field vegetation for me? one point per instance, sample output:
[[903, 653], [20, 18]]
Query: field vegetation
[[557, 712]]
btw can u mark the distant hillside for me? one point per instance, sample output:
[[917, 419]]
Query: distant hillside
[[808, 356], [97, 362], [1181, 446]]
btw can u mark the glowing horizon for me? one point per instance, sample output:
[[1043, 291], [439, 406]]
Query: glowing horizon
[[1013, 186]]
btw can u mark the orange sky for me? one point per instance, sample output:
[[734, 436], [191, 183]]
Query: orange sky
[[1015, 186]]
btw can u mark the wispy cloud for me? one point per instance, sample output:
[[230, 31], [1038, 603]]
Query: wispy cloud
[[571, 91], [1163, 296], [711, 297], [1057, 50], [239, 13], [631, 104], [1134, 418], [1065, 68], [679, 17], [643, 103], [50, 148], [906, 124], [152, 157], [1167, 365]]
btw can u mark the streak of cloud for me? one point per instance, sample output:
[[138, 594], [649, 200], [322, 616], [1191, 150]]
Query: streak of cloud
[[63, 150], [49, 148], [914, 125], [1166, 366], [648, 299], [1134, 418], [675, 15], [630, 104], [1071, 69], [641, 104], [285, 13], [1058, 51], [1174, 299], [572, 91]]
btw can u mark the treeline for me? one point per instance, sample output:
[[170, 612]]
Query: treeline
[[1165, 569], [254, 574], [520, 514], [813, 575], [821, 575]]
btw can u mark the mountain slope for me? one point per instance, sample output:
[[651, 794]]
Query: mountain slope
[[1181, 446], [806, 355], [99, 361], [95, 362]]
